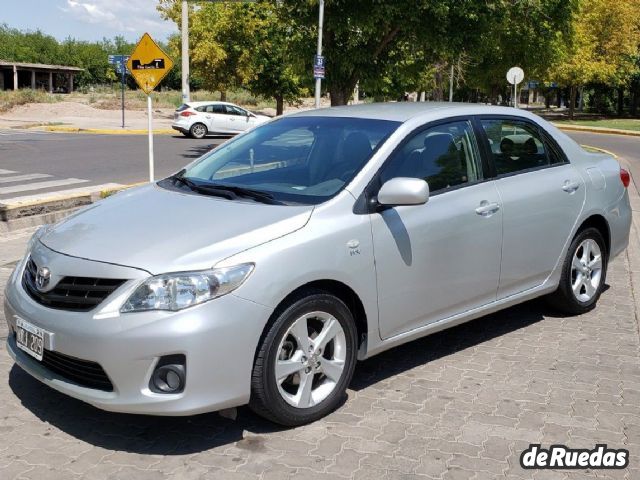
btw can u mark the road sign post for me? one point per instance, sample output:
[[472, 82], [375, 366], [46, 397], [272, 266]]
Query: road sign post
[[515, 75], [319, 52], [120, 62], [148, 65]]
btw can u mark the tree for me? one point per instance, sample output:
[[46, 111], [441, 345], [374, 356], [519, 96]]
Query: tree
[[242, 45], [604, 41], [529, 34]]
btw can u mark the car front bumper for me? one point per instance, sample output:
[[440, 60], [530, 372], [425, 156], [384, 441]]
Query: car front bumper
[[218, 339]]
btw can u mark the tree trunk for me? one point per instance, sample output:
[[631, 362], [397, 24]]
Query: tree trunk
[[559, 98], [581, 101], [547, 100], [340, 96], [279, 105], [635, 99], [572, 101], [223, 95], [620, 101]]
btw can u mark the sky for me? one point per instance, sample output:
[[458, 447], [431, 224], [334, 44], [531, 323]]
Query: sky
[[88, 19]]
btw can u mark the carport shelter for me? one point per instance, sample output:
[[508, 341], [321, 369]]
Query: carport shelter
[[53, 78]]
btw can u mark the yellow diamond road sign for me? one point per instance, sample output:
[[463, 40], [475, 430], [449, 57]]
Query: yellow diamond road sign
[[148, 64]]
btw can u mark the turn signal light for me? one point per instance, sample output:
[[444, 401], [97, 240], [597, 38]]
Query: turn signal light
[[625, 177], [187, 113]]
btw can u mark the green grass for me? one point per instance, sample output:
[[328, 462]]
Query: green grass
[[618, 123]]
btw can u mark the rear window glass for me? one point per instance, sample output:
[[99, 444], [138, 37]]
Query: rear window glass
[[182, 107]]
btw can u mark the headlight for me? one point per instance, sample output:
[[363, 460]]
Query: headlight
[[175, 291]]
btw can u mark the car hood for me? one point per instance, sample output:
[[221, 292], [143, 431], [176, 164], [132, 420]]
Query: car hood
[[159, 230]]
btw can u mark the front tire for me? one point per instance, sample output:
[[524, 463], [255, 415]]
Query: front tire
[[583, 274], [198, 130], [305, 361]]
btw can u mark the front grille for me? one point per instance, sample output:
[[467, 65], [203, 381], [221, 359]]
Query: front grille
[[81, 372], [79, 294]]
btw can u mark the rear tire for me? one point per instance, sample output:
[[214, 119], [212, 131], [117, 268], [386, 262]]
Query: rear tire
[[305, 361], [198, 130], [583, 274]]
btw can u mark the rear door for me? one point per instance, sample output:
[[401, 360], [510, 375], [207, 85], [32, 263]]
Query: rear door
[[542, 196]]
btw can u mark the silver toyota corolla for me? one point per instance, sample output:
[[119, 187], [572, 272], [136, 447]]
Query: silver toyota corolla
[[262, 271]]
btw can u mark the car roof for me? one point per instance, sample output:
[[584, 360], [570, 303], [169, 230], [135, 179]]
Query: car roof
[[404, 111], [199, 104]]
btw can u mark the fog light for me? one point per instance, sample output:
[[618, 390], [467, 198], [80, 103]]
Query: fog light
[[169, 375]]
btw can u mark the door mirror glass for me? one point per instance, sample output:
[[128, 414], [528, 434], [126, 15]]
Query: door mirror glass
[[404, 191]]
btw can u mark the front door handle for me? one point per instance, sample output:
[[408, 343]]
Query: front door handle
[[570, 187], [487, 209]]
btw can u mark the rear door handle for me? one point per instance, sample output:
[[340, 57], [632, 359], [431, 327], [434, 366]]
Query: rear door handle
[[570, 187], [487, 209]]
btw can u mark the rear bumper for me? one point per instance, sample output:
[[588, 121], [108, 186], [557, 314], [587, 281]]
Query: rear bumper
[[180, 128], [619, 219]]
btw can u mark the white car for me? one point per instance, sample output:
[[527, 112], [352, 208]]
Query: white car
[[198, 119]]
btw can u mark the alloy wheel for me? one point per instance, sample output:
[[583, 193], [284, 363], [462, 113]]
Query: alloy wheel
[[198, 130], [586, 270], [311, 359]]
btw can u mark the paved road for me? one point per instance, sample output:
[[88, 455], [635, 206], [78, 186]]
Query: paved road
[[40, 162], [624, 146], [461, 404]]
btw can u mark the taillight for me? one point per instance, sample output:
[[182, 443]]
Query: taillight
[[187, 113], [625, 178]]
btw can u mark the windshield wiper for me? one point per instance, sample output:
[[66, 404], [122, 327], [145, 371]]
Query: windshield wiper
[[230, 192], [256, 195]]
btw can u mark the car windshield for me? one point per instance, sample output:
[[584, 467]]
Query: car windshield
[[303, 160]]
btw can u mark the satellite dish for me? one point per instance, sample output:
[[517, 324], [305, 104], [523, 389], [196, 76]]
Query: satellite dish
[[515, 75]]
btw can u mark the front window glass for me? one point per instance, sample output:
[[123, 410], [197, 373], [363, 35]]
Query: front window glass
[[231, 110], [297, 159], [445, 156]]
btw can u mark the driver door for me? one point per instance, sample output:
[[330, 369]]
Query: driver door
[[442, 258]]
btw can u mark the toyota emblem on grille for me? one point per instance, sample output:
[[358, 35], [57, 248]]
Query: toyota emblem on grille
[[42, 278]]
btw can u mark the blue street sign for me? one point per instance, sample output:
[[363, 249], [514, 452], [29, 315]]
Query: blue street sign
[[117, 59], [318, 67], [122, 68]]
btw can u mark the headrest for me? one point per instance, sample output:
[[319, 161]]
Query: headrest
[[439, 144], [507, 146]]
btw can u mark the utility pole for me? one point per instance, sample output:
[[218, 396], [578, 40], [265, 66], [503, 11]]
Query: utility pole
[[319, 51], [184, 26]]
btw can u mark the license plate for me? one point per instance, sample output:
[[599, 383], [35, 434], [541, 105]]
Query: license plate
[[30, 338]]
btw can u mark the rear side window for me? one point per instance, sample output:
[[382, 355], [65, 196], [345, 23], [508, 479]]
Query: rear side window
[[516, 146]]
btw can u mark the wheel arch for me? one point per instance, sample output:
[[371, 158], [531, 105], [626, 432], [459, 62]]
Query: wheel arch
[[332, 287], [598, 222]]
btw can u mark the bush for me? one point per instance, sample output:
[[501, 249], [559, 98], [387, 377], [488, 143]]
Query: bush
[[13, 98]]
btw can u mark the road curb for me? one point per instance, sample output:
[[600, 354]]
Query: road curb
[[25, 212], [607, 131], [104, 131]]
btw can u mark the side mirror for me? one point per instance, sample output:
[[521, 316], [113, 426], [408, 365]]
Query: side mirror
[[404, 191]]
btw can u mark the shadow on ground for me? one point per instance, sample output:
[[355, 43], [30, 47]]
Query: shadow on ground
[[182, 435]]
